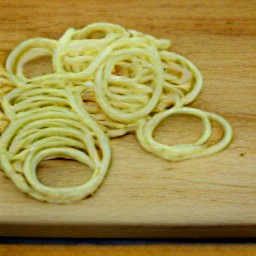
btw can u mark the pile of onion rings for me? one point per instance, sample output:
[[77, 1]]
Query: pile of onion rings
[[107, 81]]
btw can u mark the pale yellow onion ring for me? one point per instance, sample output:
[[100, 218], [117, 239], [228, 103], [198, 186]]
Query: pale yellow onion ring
[[103, 75], [196, 88], [161, 44], [24, 53], [20, 164], [100, 27], [5, 86], [183, 151], [75, 41]]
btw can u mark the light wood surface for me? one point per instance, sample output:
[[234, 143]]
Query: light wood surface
[[144, 195], [131, 250]]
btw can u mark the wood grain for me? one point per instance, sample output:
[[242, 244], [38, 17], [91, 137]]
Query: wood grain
[[135, 250], [144, 195]]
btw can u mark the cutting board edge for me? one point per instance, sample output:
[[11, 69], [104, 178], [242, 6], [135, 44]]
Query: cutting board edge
[[129, 231]]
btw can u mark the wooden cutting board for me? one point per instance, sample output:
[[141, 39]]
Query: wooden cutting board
[[131, 250], [144, 195]]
